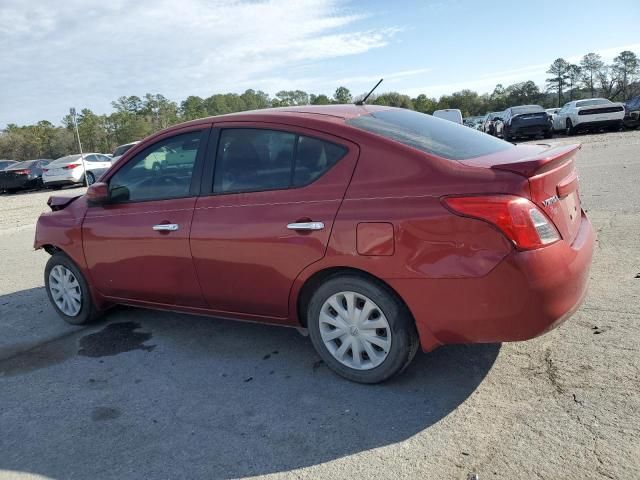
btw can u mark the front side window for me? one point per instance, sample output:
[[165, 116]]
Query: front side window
[[159, 172], [425, 133], [250, 160]]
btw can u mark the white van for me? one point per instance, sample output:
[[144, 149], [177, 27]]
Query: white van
[[452, 114]]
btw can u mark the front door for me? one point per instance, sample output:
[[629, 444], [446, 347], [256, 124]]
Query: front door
[[137, 245], [276, 191]]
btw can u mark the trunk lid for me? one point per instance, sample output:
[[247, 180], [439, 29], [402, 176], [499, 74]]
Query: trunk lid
[[533, 118], [553, 180]]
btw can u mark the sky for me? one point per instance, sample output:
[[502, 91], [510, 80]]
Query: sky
[[55, 54]]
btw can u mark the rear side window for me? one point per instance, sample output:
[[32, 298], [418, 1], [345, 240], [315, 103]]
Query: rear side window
[[250, 160], [430, 135]]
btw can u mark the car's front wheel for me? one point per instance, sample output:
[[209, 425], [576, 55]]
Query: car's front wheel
[[570, 130], [361, 329], [68, 291]]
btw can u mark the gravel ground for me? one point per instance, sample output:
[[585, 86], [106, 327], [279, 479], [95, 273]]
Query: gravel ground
[[161, 395]]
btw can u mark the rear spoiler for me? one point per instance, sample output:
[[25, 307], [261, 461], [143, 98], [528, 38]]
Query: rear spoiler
[[540, 162], [59, 202]]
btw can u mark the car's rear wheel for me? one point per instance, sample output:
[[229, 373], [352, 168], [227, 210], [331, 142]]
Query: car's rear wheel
[[68, 291], [361, 329], [91, 178]]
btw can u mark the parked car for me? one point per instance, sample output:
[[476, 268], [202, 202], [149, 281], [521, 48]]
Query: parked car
[[452, 114], [121, 150], [589, 114], [526, 121], [6, 163], [69, 171], [22, 175], [488, 124], [474, 122], [632, 113], [552, 112], [366, 225]]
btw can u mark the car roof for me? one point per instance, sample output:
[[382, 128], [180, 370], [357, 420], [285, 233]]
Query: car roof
[[329, 113]]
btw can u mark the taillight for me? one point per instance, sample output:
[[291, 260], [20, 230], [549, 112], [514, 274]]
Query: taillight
[[21, 172], [518, 218], [71, 166]]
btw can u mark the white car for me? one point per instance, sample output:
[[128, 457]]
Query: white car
[[451, 114], [589, 114], [122, 149], [68, 170]]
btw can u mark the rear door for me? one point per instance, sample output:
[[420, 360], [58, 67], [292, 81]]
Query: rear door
[[274, 193]]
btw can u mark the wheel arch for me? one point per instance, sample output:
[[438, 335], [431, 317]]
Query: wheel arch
[[317, 278]]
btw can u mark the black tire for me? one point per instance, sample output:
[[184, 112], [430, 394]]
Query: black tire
[[570, 130], [548, 133], [91, 178], [404, 338], [88, 312]]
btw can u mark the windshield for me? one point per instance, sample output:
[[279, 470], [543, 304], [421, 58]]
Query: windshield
[[595, 101], [122, 149], [430, 135]]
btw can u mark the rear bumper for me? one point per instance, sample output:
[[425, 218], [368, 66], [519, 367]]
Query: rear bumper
[[530, 130], [599, 124], [526, 295], [16, 183]]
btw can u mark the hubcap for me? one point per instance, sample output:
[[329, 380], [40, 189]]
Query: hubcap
[[65, 290], [355, 330]]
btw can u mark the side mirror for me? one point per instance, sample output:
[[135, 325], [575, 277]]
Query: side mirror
[[98, 193]]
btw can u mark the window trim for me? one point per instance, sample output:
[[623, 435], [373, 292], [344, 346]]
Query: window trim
[[194, 187], [207, 184]]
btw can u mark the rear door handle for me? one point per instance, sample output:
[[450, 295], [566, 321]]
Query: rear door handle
[[306, 226], [166, 227]]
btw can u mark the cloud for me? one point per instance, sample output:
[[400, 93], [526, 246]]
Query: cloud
[[87, 53]]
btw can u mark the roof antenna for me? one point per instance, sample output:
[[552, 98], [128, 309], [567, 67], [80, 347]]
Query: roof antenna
[[361, 102]]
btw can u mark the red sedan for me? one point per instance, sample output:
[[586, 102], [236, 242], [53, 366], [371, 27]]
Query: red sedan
[[378, 229]]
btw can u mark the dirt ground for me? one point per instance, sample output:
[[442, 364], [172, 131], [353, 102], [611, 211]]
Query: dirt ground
[[146, 394]]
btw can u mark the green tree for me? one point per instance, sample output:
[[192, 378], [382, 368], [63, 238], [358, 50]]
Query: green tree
[[591, 64], [289, 98], [424, 104], [321, 99], [193, 107], [574, 75], [625, 68], [393, 99], [342, 95], [559, 70]]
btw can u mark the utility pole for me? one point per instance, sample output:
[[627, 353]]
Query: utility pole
[[72, 111]]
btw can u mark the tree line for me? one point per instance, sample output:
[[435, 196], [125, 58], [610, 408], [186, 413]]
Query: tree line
[[134, 118]]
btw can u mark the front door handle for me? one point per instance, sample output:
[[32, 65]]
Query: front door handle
[[166, 227], [306, 226]]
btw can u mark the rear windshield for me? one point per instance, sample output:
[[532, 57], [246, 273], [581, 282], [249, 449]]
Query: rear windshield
[[595, 101], [527, 109], [67, 159], [431, 135], [22, 165]]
